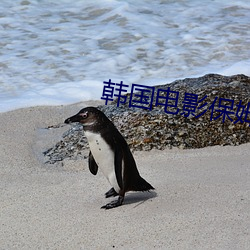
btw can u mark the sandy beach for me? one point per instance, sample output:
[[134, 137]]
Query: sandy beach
[[201, 198]]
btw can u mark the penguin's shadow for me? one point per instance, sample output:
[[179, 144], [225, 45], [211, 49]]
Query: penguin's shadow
[[137, 198]]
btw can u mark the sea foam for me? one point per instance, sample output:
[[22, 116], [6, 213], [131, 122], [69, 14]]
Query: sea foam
[[60, 52]]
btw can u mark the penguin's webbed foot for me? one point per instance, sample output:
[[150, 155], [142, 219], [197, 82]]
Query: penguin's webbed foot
[[111, 193], [113, 204]]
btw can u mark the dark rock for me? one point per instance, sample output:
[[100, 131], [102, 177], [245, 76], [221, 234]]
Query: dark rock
[[147, 129]]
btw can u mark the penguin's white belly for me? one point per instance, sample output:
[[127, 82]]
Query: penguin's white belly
[[104, 157]]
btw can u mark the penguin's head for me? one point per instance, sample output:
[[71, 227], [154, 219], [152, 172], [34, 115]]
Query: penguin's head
[[88, 117]]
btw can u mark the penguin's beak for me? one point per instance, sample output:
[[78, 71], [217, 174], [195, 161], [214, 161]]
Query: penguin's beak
[[74, 118]]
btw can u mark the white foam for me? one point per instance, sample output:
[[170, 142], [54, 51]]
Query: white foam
[[60, 52], [242, 67]]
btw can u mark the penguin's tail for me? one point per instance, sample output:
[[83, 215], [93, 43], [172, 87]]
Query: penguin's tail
[[141, 185]]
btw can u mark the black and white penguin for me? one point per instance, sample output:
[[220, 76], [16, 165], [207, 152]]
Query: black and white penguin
[[110, 152]]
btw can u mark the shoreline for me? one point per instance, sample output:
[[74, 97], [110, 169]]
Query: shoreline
[[201, 198]]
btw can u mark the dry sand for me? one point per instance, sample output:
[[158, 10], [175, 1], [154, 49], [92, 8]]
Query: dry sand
[[201, 201]]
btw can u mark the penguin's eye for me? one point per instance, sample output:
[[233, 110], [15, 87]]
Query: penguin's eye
[[84, 115]]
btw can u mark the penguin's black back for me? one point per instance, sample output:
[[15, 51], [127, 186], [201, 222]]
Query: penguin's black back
[[132, 181], [131, 178]]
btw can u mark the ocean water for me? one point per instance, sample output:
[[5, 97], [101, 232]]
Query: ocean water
[[60, 52]]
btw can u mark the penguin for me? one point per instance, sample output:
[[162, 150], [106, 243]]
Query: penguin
[[110, 152]]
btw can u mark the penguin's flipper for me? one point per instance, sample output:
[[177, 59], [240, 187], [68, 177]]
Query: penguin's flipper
[[118, 166], [93, 167], [111, 193]]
